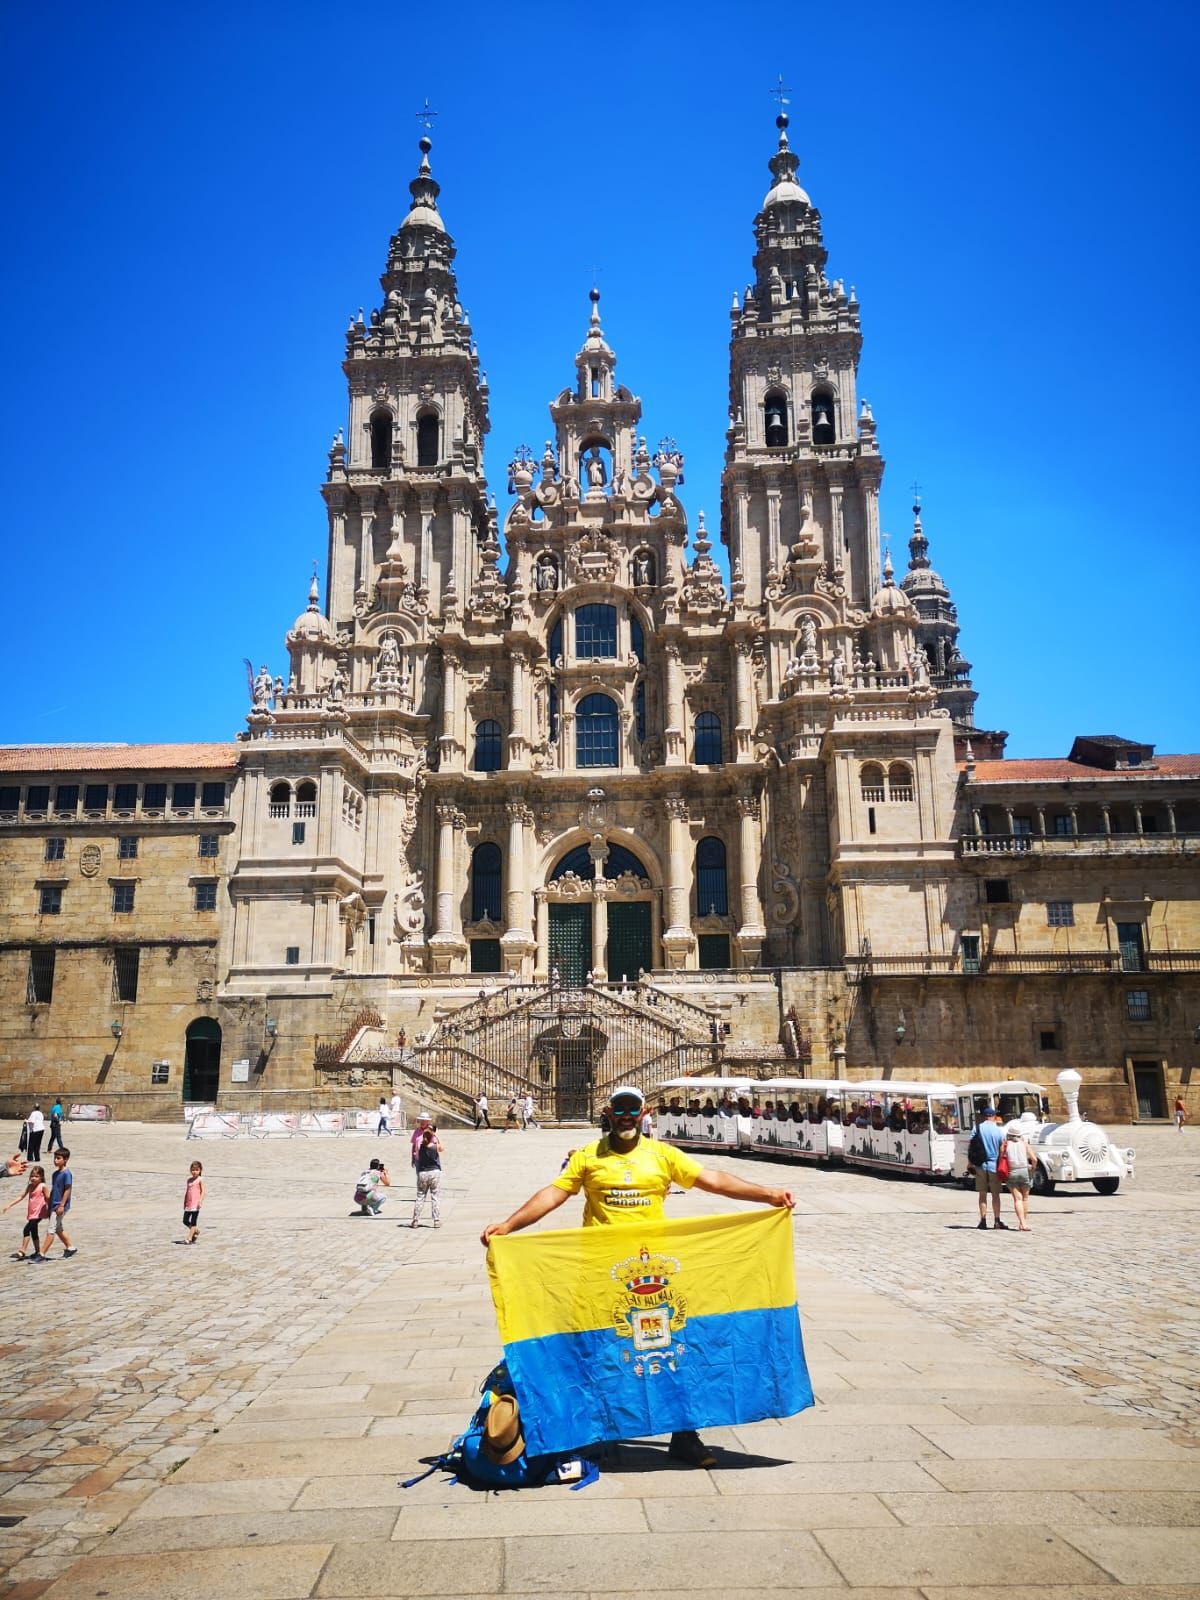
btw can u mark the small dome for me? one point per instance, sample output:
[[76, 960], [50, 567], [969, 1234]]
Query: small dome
[[924, 580], [892, 602], [785, 192], [313, 625]]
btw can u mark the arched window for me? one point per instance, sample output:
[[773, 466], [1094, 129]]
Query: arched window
[[306, 798], [639, 710], [618, 862], [555, 645], [900, 781], [487, 746], [596, 730], [552, 708], [637, 640], [706, 751], [280, 800], [712, 894], [381, 441], [871, 778], [427, 439], [595, 632], [775, 424], [485, 883], [823, 429]]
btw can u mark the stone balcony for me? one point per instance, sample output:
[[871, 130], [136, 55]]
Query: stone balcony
[[983, 845]]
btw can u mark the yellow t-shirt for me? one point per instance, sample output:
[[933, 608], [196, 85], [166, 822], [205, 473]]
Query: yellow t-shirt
[[626, 1186]]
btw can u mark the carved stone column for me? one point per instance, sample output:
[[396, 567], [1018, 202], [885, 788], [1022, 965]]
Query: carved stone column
[[678, 940], [753, 931], [424, 573], [743, 694], [673, 733], [447, 941], [518, 726], [600, 893], [449, 743], [542, 905], [517, 943]]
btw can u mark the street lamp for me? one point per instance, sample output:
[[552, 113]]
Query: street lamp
[[272, 1027], [901, 1030], [115, 1029]]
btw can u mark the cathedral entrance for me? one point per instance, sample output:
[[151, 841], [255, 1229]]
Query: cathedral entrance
[[202, 1061], [629, 944], [571, 941]]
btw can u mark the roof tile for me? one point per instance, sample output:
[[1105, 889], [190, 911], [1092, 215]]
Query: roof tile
[[41, 758]]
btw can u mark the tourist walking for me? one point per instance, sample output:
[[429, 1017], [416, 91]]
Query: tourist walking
[[423, 1121], [395, 1112], [382, 1126], [481, 1111], [368, 1191], [528, 1113], [511, 1114], [56, 1118], [624, 1180], [1180, 1113], [1022, 1158], [983, 1152], [37, 1204], [61, 1187], [193, 1199], [429, 1177], [37, 1128]]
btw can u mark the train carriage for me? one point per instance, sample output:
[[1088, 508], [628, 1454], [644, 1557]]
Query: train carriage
[[906, 1126], [795, 1117], [699, 1113]]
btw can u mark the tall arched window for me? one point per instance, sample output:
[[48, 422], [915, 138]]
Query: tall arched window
[[595, 632], [596, 732], [900, 781], [618, 861], [707, 748], [871, 778], [427, 439], [487, 746], [639, 710], [775, 424], [279, 800], [712, 893], [823, 428], [555, 645], [485, 883], [381, 441], [637, 640]]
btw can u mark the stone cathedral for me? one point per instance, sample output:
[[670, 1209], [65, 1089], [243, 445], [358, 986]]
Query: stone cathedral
[[747, 822]]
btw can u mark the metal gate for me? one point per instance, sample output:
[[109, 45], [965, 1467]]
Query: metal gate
[[571, 942], [628, 940]]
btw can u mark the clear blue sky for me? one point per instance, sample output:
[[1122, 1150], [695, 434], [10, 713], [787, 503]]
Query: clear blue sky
[[198, 197]]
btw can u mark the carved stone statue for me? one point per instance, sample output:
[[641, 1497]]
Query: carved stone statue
[[335, 689], [389, 656], [547, 575], [837, 673], [596, 475], [642, 568], [920, 669], [264, 688], [808, 637]]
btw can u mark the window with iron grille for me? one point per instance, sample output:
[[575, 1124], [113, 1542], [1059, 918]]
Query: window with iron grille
[[56, 849], [125, 797], [183, 796], [596, 731], [1137, 1005], [206, 895], [125, 974], [95, 796], [50, 902], [713, 951], [40, 986], [970, 952], [154, 796], [712, 893], [210, 845], [485, 883], [212, 794], [66, 797], [127, 847], [487, 746], [123, 897], [595, 632], [1060, 913], [1048, 1039]]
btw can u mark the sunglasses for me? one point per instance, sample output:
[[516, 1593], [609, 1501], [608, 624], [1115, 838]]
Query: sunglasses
[[626, 1110]]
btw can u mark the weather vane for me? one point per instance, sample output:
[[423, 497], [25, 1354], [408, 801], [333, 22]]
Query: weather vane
[[916, 490], [427, 117], [782, 94]]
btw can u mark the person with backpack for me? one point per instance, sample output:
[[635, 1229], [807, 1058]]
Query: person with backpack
[[982, 1154]]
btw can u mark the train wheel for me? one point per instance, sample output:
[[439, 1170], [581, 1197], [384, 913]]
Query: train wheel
[[1106, 1185], [1041, 1184]]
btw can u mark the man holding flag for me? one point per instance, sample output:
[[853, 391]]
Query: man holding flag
[[625, 1179]]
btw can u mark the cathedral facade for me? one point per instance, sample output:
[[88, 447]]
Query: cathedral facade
[[566, 753]]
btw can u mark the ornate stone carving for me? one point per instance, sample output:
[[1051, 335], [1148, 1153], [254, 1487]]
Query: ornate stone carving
[[408, 919]]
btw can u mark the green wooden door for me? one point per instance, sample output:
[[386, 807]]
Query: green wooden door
[[571, 942], [628, 940]]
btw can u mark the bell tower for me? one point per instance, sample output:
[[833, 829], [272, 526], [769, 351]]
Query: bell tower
[[802, 466]]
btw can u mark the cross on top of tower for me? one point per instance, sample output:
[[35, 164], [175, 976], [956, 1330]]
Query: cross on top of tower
[[426, 117], [781, 94]]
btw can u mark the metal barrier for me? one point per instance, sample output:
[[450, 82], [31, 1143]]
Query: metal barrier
[[207, 1123], [89, 1113]]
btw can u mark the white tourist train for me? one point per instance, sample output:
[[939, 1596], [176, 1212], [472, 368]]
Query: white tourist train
[[888, 1124], [1071, 1151]]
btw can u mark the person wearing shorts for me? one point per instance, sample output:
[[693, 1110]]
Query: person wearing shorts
[[987, 1179], [61, 1185]]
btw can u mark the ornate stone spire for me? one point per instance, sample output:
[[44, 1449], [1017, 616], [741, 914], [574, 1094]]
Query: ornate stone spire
[[784, 165], [424, 188], [937, 630]]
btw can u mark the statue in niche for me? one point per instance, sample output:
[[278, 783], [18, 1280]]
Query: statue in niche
[[547, 575], [808, 637], [837, 673], [920, 669], [264, 688], [389, 656], [643, 569], [335, 689], [596, 475]]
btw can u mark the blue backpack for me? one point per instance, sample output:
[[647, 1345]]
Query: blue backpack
[[467, 1458]]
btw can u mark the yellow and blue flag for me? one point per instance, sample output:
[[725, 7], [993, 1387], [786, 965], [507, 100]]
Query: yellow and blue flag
[[644, 1328]]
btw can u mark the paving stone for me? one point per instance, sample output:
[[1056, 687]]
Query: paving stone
[[210, 1499], [1016, 1443], [1142, 1555], [469, 1566], [1161, 1509], [746, 1513], [513, 1516], [735, 1563], [988, 1508], [217, 1530], [1029, 1557], [277, 1572]]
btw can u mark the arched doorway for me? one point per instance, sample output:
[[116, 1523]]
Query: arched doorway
[[202, 1060], [624, 928]]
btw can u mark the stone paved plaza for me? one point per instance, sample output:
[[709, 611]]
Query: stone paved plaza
[[994, 1413]]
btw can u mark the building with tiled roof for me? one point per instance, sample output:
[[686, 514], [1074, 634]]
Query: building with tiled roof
[[557, 754]]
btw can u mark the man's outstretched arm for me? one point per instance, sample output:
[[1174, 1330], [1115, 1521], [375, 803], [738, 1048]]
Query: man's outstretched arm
[[537, 1206], [726, 1183]]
